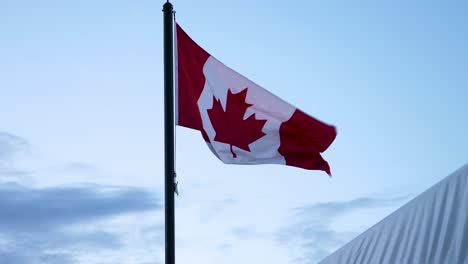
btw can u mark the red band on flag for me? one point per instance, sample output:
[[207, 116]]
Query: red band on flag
[[302, 139], [191, 59]]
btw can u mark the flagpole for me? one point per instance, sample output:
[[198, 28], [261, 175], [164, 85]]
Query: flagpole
[[169, 133]]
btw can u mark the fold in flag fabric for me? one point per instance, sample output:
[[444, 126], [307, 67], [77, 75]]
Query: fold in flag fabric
[[241, 122]]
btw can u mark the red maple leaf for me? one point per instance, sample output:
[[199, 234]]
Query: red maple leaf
[[230, 126]]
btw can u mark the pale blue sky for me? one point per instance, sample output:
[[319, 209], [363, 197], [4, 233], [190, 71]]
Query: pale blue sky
[[81, 124]]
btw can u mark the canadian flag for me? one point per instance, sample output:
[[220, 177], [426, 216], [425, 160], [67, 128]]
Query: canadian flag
[[241, 122]]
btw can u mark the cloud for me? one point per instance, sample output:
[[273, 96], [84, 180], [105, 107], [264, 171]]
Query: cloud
[[29, 209], [242, 232], [83, 223], [33, 257], [46, 225], [75, 168], [11, 147], [215, 207], [313, 230]]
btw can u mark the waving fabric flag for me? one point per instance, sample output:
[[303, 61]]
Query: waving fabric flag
[[241, 122]]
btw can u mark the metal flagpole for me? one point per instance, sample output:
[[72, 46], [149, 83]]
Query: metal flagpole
[[169, 179]]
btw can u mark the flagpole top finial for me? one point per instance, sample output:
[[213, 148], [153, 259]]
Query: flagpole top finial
[[168, 6]]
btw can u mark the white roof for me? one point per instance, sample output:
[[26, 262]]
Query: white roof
[[431, 228]]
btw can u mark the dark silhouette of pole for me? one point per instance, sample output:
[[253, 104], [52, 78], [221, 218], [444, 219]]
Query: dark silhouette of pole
[[169, 179]]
